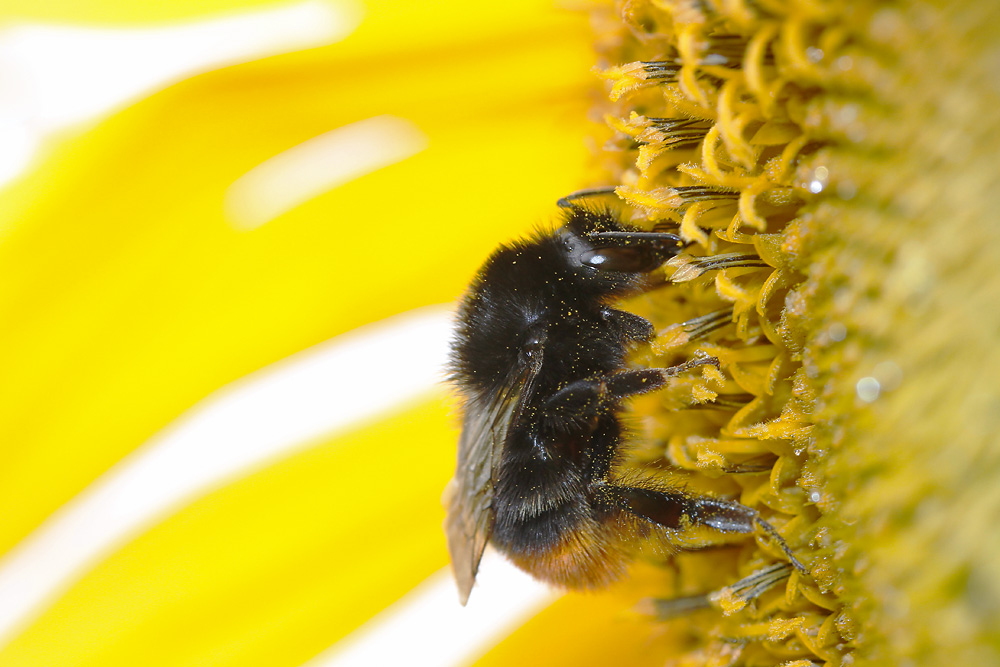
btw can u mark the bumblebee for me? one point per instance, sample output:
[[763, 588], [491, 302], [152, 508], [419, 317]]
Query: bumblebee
[[539, 358]]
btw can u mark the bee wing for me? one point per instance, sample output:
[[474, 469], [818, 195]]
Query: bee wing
[[469, 496]]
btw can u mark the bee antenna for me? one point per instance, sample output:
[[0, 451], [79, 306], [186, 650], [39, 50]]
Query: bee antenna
[[568, 200]]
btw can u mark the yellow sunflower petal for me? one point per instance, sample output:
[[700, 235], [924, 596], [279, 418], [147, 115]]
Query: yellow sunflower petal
[[129, 293]]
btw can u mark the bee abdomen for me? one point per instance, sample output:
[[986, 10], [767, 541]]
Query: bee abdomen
[[565, 546], [535, 522]]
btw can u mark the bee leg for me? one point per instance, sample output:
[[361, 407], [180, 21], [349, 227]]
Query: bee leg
[[630, 383], [678, 511], [574, 405], [581, 399], [579, 402]]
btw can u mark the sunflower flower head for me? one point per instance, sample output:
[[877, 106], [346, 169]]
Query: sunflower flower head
[[832, 167]]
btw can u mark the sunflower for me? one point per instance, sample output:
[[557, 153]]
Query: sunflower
[[224, 296], [833, 167]]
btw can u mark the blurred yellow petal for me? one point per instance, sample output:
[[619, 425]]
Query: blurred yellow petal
[[590, 629], [430, 622], [269, 570], [326, 389], [130, 291], [59, 77], [115, 11], [130, 295]]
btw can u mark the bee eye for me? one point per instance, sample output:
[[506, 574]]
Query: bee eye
[[635, 260]]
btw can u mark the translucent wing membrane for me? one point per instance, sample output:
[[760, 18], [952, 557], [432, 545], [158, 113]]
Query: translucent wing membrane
[[469, 498]]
